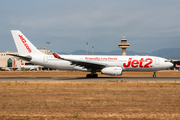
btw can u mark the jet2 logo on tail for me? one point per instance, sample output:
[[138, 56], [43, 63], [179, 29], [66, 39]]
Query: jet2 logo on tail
[[24, 42], [139, 63]]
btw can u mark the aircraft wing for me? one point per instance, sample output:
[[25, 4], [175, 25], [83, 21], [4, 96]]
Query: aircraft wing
[[82, 63], [27, 58]]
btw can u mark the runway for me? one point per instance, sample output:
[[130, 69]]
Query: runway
[[89, 79]]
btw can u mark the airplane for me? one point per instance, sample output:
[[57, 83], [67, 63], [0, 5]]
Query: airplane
[[28, 67], [177, 66], [106, 64], [5, 69]]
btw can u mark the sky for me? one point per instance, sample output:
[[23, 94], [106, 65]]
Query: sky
[[68, 25]]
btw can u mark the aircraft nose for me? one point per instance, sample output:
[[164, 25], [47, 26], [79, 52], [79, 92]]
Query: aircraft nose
[[171, 64]]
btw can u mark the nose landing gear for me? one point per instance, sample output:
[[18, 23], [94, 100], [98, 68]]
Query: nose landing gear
[[154, 75]]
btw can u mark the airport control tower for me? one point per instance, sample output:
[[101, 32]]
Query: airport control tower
[[123, 45]]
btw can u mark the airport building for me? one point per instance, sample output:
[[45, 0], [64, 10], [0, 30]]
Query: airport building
[[7, 61]]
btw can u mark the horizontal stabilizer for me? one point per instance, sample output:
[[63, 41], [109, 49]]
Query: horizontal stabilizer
[[27, 58]]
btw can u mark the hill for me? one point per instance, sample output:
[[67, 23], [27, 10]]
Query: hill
[[169, 53]]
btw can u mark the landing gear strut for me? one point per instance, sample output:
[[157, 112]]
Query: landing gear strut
[[154, 75]]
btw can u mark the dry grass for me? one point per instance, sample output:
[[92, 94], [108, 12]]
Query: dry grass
[[89, 100], [82, 74]]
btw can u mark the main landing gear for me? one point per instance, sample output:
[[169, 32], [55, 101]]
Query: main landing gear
[[92, 75], [154, 75]]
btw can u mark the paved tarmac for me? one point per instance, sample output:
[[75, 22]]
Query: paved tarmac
[[89, 79]]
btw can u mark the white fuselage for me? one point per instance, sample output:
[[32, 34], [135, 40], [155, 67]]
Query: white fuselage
[[29, 67], [128, 63]]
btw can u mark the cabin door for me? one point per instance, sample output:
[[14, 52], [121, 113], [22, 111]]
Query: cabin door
[[45, 59]]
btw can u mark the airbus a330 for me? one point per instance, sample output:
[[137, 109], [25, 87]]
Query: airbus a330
[[106, 64]]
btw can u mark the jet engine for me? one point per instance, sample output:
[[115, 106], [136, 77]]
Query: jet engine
[[112, 71]]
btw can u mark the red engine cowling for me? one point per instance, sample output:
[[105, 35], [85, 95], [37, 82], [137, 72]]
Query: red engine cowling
[[112, 71]]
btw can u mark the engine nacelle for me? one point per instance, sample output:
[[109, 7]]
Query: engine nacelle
[[112, 71]]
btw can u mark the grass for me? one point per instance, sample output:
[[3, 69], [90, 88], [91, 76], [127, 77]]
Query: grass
[[82, 74], [75, 115], [160, 85], [89, 100]]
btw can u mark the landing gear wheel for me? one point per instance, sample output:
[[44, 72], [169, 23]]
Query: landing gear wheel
[[154, 76], [88, 76], [92, 75]]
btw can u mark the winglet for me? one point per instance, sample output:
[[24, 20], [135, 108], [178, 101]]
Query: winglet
[[56, 55]]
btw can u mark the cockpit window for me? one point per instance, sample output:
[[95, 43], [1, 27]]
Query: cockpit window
[[166, 61]]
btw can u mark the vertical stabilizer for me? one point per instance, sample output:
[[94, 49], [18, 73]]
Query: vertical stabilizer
[[23, 45]]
